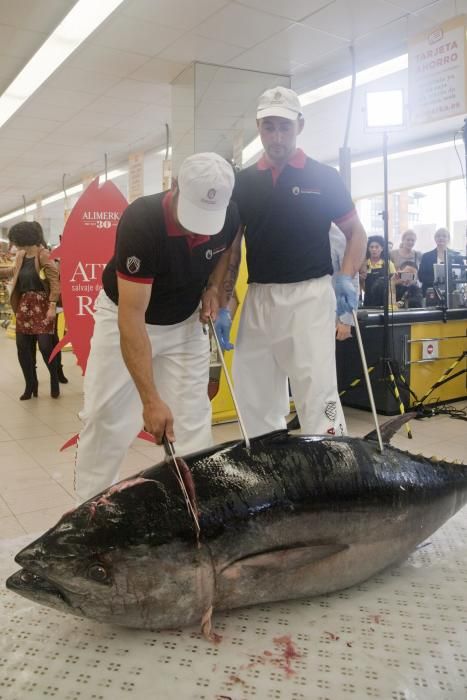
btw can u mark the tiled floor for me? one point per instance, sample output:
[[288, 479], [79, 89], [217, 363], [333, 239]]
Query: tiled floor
[[402, 635]]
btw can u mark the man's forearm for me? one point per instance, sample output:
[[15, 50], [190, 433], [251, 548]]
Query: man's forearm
[[229, 279], [217, 275], [136, 351]]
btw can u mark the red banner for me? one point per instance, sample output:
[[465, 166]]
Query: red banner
[[86, 247]]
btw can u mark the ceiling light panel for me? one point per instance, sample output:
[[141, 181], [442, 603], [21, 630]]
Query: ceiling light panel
[[78, 24]]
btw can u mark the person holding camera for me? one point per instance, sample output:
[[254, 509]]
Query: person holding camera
[[408, 291]]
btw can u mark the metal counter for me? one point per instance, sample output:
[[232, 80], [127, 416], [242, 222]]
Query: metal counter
[[408, 331]]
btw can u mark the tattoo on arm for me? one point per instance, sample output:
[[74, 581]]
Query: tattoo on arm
[[231, 277]]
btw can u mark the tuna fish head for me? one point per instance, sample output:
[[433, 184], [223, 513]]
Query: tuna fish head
[[126, 557]]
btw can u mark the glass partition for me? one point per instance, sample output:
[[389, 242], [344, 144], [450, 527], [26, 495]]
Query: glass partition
[[422, 209], [457, 214], [214, 109]]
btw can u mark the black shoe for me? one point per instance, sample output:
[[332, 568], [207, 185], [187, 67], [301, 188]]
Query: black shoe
[[61, 377], [54, 388], [28, 393]]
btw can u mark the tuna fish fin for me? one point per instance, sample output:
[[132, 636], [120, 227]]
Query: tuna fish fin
[[282, 559], [391, 427]]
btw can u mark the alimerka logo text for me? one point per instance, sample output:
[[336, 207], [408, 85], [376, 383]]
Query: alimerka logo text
[[100, 219]]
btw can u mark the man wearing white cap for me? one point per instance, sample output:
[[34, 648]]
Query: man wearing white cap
[[287, 203], [149, 359]]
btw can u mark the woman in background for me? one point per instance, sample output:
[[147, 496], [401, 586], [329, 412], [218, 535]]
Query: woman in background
[[407, 250], [426, 273], [372, 274], [61, 375], [35, 290]]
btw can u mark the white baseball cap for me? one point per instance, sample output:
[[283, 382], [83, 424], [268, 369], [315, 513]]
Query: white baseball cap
[[205, 183], [279, 102]]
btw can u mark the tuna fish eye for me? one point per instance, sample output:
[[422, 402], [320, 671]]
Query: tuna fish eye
[[98, 573], [27, 577]]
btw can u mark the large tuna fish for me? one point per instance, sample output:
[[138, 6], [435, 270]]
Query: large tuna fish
[[293, 516]]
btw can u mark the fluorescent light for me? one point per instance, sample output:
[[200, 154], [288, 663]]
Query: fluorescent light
[[403, 154], [112, 175], [61, 195], [18, 212], [76, 189], [251, 150], [368, 75], [381, 70], [79, 23]]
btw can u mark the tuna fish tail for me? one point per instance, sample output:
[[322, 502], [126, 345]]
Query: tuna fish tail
[[391, 427]]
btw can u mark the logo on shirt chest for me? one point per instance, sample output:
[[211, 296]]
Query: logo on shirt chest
[[209, 253], [133, 264], [304, 190]]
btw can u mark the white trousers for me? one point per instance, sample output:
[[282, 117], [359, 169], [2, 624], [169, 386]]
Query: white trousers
[[288, 331], [112, 412]]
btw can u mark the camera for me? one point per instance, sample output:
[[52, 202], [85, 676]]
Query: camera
[[407, 276]]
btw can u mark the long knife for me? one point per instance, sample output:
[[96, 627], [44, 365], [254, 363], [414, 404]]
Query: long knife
[[232, 393], [367, 378], [170, 454]]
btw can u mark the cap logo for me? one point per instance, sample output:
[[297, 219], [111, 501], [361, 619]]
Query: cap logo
[[278, 95], [133, 264], [208, 254], [295, 190], [211, 193]]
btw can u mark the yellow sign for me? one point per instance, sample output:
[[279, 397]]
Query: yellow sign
[[437, 72]]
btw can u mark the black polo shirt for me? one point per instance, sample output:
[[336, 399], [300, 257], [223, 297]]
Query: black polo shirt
[[287, 216], [151, 249]]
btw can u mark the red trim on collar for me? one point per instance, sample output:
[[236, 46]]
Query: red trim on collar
[[298, 160], [173, 229]]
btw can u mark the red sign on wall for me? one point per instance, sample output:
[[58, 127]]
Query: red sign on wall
[[87, 245]]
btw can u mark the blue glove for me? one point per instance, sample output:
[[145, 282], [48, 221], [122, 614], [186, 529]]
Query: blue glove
[[223, 324], [346, 294]]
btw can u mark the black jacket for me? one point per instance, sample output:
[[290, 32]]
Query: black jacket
[[425, 271]]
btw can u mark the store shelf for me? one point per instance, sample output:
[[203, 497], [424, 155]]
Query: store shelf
[[400, 636]]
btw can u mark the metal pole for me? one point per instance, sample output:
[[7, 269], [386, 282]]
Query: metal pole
[[367, 378], [232, 393], [386, 251], [464, 136]]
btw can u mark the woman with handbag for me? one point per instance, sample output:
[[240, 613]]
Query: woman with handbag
[[34, 292]]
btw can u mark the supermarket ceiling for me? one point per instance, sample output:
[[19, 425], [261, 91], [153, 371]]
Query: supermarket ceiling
[[113, 94]]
